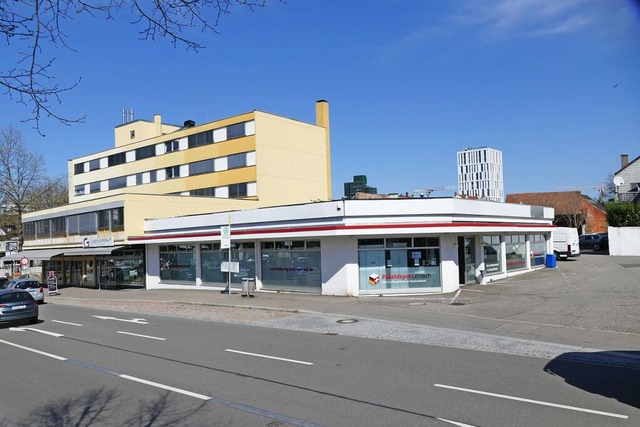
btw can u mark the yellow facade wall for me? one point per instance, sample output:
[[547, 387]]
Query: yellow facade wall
[[291, 164]]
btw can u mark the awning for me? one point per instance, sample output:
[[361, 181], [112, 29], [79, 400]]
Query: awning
[[91, 251], [42, 254]]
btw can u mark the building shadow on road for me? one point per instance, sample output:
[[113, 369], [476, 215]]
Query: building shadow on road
[[103, 407], [612, 374]]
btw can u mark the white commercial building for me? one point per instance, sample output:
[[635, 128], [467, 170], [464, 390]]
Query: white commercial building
[[349, 247], [480, 174]]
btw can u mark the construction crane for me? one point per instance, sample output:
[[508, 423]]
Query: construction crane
[[426, 192], [601, 189]]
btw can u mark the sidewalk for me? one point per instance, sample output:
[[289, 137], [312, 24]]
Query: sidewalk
[[592, 303]]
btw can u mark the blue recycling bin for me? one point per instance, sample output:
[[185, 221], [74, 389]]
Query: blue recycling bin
[[551, 260]]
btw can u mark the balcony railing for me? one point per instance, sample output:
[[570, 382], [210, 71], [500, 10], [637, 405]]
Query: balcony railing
[[629, 197]]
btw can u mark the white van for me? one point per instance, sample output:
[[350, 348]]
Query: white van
[[565, 242]]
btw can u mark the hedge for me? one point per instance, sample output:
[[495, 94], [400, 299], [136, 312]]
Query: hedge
[[623, 214]]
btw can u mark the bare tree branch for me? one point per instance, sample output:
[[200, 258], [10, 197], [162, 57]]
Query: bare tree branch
[[35, 29]]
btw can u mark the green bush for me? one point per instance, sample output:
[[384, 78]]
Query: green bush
[[623, 214]]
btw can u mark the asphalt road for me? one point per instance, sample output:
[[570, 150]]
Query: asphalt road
[[89, 367]]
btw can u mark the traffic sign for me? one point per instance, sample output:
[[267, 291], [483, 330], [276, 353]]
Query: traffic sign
[[225, 237], [24, 261]]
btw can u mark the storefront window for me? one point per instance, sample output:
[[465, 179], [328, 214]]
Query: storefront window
[[538, 249], [516, 252], [492, 254], [403, 265], [211, 256], [291, 265], [177, 262]]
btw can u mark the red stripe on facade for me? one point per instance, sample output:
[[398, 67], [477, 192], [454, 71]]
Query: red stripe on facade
[[338, 228]]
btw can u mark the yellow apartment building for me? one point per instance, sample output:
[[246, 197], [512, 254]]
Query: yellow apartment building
[[157, 170]]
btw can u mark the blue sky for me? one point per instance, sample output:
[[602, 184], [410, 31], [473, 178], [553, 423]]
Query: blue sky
[[409, 84]]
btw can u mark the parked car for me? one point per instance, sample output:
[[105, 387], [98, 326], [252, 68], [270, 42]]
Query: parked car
[[596, 241], [16, 305], [3, 282], [33, 286]]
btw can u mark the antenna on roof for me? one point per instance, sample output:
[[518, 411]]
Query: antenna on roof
[[127, 115]]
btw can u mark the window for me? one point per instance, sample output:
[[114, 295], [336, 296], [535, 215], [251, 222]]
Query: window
[[145, 152], [212, 256], [370, 243], [171, 146], [78, 168], [201, 138], [538, 248], [203, 192], [29, 230], [425, 241], [204, 166], [173, 172], [132, 134], [235, 131], [399, 243], [515, 249], [237, 160], [94, 164], [87, 223], [58, 227], [72, 224], [42, 229], [103, 220], [153, 176], [117, 219], [177, 262], [288, 265], [492, 254], [115, 183], [238, 190], [79, 189], [398, 264], [117, 159], [94, 187]]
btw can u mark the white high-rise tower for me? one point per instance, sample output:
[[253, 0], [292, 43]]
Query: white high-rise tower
[[480, 173]]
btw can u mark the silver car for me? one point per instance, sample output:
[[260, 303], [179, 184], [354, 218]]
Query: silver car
[[16, 305], [33, 286]]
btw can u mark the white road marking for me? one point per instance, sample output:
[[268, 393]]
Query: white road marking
[[537, 402], [66, 323], [237, 406], [53, 334], [165, 387], [456, 423], [269, 357], [53, 356], [140, 321], [142, 336]]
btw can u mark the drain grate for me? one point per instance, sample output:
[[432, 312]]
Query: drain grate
[[347, 321]]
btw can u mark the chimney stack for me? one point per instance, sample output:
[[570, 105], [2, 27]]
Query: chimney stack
[[624, 160], [157, 121]]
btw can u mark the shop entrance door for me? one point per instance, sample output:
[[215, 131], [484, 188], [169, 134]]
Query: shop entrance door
[[467, 259]]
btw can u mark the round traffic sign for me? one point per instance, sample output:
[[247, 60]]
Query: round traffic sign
[[24, 261]]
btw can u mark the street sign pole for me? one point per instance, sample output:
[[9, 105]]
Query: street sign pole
[[225, 243]]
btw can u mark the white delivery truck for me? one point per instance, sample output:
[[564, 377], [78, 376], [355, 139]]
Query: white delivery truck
[[565, 242]]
